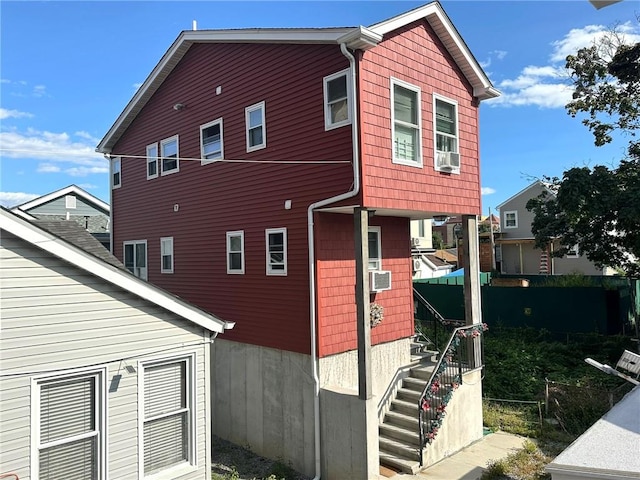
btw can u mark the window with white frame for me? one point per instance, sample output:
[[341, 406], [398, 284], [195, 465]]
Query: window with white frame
[[211, 146], [69, 426], [169, 154], [70, 201], [406, 123], [235, 252], [256, 128], [152, 160], [276, 240], [337, 100], [167, 415], [573, 252], [116, 176], [166, 255], [135, 257], [445, 120], [511, 219], [375, 249]]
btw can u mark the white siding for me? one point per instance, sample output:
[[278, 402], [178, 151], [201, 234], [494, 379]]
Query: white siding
[[54, 317]]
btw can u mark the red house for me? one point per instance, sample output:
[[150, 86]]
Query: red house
[[238, 169]]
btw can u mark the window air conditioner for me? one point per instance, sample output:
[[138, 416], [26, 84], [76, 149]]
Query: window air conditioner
[[415, 241], [448, 160], [379, 280], [417, 263]]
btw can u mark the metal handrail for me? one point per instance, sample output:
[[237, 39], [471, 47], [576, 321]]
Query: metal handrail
[[446, 377]]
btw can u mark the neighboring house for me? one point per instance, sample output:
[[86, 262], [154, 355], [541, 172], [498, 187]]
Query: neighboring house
[[450, 230], [421, 235], [516, 252], [429, 265], [238, 170], [71, 203], [102, 375]]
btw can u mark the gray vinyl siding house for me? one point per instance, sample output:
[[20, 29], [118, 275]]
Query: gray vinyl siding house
[[102, 375]]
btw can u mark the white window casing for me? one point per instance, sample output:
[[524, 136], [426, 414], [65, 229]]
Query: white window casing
[[152, 161], [169, 155], [211, 141], [337, 100], [446, 134], [135, 257], [116, 172], [235, 252], [166, 255], [375, 248], [406, 123], [276, 251], [511, 219], [70, 201], [256, 129]]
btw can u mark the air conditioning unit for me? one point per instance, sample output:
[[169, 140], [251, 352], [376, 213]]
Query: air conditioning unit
[[415, 241], [417, 263], [379, 280], [448, 160]]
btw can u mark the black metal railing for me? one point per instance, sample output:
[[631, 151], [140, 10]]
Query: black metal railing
[[462, 353], [430, 324]]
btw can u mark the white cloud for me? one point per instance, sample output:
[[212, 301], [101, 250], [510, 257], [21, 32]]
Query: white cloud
[[487, 190], [548, 86], [39, 91], [87, 186], [498, 54], [48, 168], [5, 113], [11, 199]]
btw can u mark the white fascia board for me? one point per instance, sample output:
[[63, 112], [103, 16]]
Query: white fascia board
[[36, 202], [109, 273], [524, 190]]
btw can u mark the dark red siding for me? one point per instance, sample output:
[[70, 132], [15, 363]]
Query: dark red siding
[[337, 329], [414, 54], [215, 198]]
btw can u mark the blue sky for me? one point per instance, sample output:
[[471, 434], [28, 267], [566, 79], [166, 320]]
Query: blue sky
[[68, 69]]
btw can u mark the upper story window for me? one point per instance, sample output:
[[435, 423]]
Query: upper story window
[[69, 440], [70, 201], [337, 100], [573, 252], [235, 252], [256, 128], [375, 249], [169, 154], [276, 239], [135, 258], [445, 120], [511, 219], [166, 255], [211, 147], [406, 123], [116, 176], [152, 160]]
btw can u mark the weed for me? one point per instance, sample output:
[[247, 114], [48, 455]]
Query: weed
[[282, 471]]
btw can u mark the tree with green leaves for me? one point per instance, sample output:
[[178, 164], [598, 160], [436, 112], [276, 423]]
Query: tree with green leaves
[[598, 209]]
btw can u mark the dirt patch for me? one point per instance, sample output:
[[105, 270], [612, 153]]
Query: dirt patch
[[233, 462]]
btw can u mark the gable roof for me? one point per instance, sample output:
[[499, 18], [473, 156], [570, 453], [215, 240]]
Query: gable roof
[[36, 202], [537, 183], [64, 250], [355, 38]]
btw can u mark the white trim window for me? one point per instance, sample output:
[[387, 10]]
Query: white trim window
[[574, 252], [406, 123], [169, 153], [166, 255], [167, 417], [70, 201], [256, 127], [152, 161], [135, 257], [235, 252], [276, 242], [116, 172], [445, 121], [69, 437], [511, 219], [211, 144], [337, 100], [375, 248]]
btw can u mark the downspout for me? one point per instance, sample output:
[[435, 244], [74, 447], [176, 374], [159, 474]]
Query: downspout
[[312, 273]]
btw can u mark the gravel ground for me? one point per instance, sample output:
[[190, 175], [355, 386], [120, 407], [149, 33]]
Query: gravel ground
[[232, 462]]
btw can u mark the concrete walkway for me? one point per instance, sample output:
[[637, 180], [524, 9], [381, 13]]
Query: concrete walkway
[[468, 464]]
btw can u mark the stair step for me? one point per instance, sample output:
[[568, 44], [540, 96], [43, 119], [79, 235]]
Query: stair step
[[408, 395], [399, 449], [404, 407], [400, 419], [413, 383], [422, 372], [401, 434], [412, 467]]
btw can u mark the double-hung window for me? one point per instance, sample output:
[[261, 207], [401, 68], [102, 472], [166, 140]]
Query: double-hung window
[[511, 219], [276, 240], [211, 146], [167, 414], [69, 426], [445, 120], [116, 173], [135, 257], [235, 252], [337, 100], [169, 154], [406, 123], [166, 255], [152, 160], [256, 128], [375, 249]]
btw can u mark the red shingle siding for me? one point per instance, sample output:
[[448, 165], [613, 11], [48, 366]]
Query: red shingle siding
[[215, 198], [337, 329], [414, 54]]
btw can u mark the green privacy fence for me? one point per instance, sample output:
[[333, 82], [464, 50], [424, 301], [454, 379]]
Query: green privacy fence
[[607, 310]]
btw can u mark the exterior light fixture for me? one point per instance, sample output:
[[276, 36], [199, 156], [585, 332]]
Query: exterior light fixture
[[440, 218], [179, 106]]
